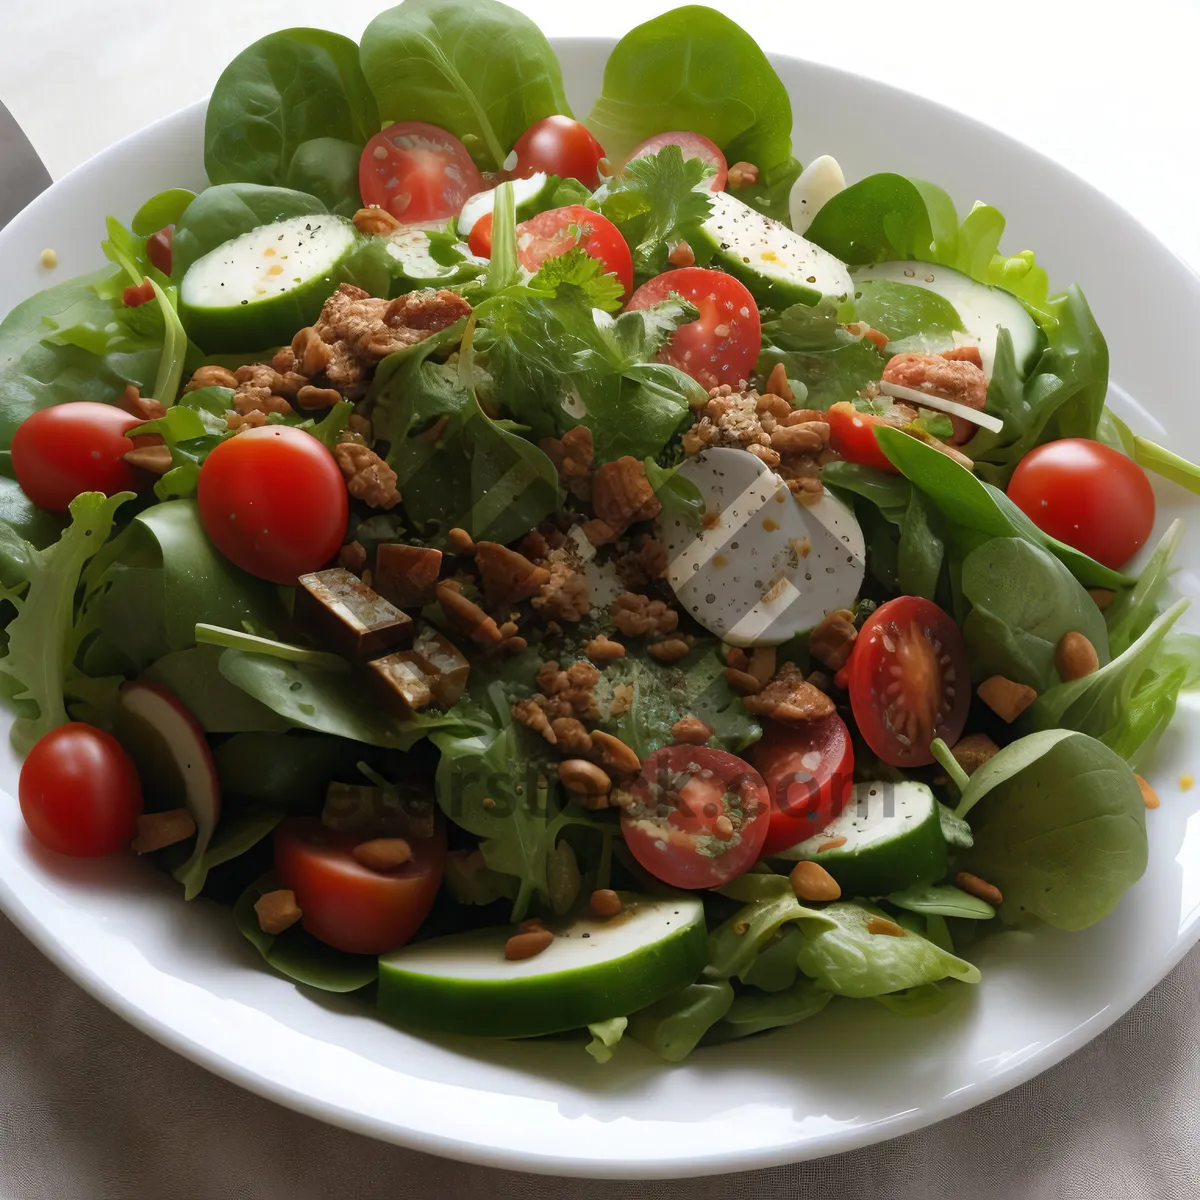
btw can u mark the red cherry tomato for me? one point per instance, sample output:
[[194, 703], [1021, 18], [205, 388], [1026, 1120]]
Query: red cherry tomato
[[558, 146], [274, 502], [909, 680], [347, 905], [79, 792], [809, 771], [722, 346], [852, 435], [479, 240], [63, 451], [417, 172], [158, 248], [560, 230], [699, 816], [693, 145], [1087, 495]]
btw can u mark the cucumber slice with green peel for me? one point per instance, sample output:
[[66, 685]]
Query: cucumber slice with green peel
[[594, 969], [422, 261], [777, 265], [888, 838], [260, 288], [531, 196]]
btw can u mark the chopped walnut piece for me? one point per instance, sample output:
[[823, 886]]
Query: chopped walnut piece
[[368, 477], [833, 639], [1005, 697], [507, 575], [255, 419], [573, 690], [277, 911], [602, 649], [155, 459], [637, 615], [643, 563], [374, 221], [531, 714], [622, 495], [143, 407], [570, 735], [790, 698], [310, 355], [309, 397], [972, 751], [622, 700], [572, 457], [210, 376], [257, 388], [957, 379], [565, 596]]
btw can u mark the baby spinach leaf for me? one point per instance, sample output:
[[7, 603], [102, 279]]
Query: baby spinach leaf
[[423, 60], [1060, 828], [735, 944], [753, 1012], [877, 219], [294, 95], [298, 954], [236, 835], [902, 310], [291, 770], [327, 168], [924, 1001], [673, 1026], [679, 497], [1023, 601], [844, 957], [161, 210], [942, 900], [922, 548], [693, 68], [193, 675]]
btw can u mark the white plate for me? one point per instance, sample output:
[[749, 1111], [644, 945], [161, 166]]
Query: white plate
[[852, 1076]]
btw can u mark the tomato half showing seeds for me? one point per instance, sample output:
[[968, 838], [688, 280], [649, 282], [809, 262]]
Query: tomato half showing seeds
[[63, 451], [909, 680], [560, 230], [1088, 495], [558, 146], [852, 435], [723, 344], [350, 906], [79, 792], [698, 818], [274, 502], [809, 772], [693, 145], [417, 172]]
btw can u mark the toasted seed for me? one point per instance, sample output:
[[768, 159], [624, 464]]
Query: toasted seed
[[810, 881], [382, 854], [884, 926], [155, 459], [531, 924], [584, 778], [832, 844], [742, 682], [156, 830], [979, 888], [762, 664], [1005, 697], [615, 754], [604, 902], [461, 542], [669, 650], [527, 944], [1102, 596], [777, 383], [277, 911], [691, 731], [467, 616], [1075, 657], [1149, 795], [603, 649]]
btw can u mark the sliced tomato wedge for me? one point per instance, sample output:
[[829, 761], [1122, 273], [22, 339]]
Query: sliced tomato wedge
[[699, 816], [723, 344], [909, 680], [809, 772], [693, 145], [852, 435], [561, 230], [417, 172]]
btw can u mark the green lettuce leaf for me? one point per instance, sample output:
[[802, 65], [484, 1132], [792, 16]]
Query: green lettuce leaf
[[674, 1026]]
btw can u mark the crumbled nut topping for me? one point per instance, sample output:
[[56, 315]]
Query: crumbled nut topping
[[644, 562], [572, 457], [636, 615], [790, 698], [565, 596], [622, 495], [368, 477]]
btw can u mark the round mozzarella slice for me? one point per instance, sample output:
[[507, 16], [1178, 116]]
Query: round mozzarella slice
[[765, 567]]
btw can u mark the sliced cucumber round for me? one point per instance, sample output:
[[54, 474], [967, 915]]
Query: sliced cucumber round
[[982, 311], [258, 289], [420, 265], [594, 969], [886, 839], [531, 196], [779, 267]]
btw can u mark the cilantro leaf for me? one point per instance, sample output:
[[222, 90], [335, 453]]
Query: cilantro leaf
[[577, 268]]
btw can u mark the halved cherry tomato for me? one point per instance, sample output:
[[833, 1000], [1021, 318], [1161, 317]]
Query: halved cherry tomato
[[1087, 495], [417, 172], [852, 435], [693, 145], [560, 230], [699, 816], [273, 500], [909, 680], [158, 248], [479, 240], [558, 146], [347, 905], [722, 346], [79, 792], [809, 771], [60, 452]]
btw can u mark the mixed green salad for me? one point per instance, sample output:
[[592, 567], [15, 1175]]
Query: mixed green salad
[[547, 575]]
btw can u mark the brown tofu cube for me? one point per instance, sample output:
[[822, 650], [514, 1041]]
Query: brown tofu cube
[[407, 575], [444, 665], [401, 683], [337, 611]]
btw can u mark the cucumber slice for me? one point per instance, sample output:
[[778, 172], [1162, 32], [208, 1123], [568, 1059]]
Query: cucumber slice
[[420, 265], [778, 266], [594, 969], [982, 311], [892, 840], [531, 196], [258, 289]]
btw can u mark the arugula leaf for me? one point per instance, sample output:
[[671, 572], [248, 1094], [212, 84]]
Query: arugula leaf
[[1060, 828], [657, 200], [41, 637], [422, 60]]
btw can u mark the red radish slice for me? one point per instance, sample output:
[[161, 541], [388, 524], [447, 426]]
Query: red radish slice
[[168, 732]]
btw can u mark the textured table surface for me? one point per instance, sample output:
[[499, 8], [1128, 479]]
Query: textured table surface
[[90, 1108]]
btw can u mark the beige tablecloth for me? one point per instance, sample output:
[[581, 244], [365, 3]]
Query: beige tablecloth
[[91, 1109]]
